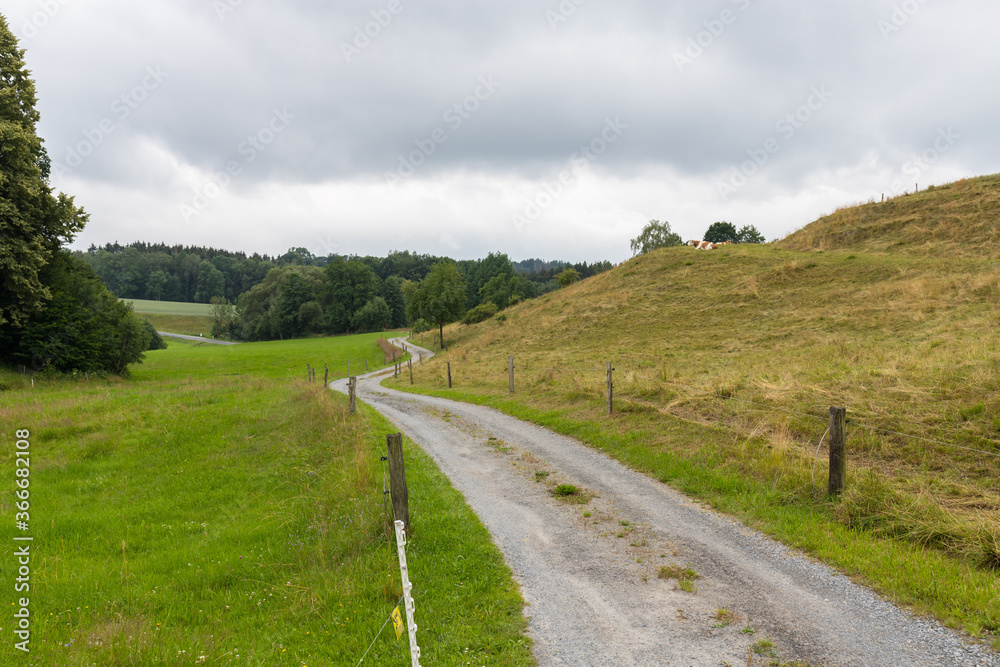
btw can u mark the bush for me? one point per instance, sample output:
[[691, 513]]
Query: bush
[[156, 341], [480, 313], [568, 277], [83, 327]]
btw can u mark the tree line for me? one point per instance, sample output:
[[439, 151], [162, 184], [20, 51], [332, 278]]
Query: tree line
[[259, 297], [365, 294]]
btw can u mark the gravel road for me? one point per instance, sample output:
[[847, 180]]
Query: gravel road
[[592, 584], [199, 339]]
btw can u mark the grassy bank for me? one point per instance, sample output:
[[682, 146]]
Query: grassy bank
[[217, 508], [190, 319], [726, 364], [170, 308]]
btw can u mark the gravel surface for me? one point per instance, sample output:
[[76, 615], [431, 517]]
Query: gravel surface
[[593, 583]]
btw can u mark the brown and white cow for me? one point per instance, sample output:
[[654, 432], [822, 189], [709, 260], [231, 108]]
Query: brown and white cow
[[705, 245]]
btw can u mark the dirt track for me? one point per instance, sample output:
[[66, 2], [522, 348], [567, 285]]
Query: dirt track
[[591, 582]]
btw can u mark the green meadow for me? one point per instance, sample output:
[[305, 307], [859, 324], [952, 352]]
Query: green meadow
[[170, 308], [217, 508]]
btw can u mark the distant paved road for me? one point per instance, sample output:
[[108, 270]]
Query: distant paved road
[[196, 338]]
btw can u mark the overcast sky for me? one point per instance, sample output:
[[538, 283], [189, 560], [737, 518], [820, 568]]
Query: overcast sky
[[535, 128]]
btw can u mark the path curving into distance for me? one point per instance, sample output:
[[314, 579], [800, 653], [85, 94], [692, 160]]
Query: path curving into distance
[[594, 597], [197, 338]]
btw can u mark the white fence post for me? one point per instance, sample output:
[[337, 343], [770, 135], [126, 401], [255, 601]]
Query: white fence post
[[407, 598]]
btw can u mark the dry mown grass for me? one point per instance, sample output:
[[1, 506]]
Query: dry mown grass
[[756, 344], [954, 220]]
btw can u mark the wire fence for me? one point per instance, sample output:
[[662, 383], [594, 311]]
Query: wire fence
[[712, 393]]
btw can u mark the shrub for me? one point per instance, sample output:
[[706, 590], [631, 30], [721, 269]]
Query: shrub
[[480, 313], [156, 342]]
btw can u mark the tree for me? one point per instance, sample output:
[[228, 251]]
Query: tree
[[34, 222], [211, 282], [347, 286], [373, 316], [156, 284], [568, 277], [392, 292], [720, 232], [223, 317], [83, 327], [294, 294], [311, 316], [654, 235], [439, 298], [495, 270], [260, 308], [749, 234]]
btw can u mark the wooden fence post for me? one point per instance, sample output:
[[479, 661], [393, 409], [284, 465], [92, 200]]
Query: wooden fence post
[[838, 450], [366, 365], [309, 372], [395, 369], [449, 375], [610, 388], [409, 364], [397, 480], [510, 372], [348, 367], [326, 375], [352, 386]]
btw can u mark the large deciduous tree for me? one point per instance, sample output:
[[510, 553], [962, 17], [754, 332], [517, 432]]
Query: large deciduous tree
[[34, 222], [439, 298], [749, 234], [348, 285], [654, 235], [720, 232]]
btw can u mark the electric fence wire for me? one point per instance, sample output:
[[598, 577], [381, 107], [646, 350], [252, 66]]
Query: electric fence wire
[[816, 459], [388, 618], [852, 422]]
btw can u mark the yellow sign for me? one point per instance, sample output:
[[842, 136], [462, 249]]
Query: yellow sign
[[397, 622]]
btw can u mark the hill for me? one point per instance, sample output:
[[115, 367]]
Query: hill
[[960, 219], [726, 364]]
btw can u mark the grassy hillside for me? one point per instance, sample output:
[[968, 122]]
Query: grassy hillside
[[170, 308], [726, 364], [218, 509], [961, 219], [191, 319]]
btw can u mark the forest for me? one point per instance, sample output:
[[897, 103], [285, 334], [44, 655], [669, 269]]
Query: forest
[[260, 297]]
